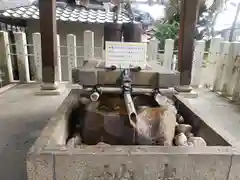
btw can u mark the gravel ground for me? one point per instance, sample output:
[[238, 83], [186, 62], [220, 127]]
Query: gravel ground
[[22, 117]]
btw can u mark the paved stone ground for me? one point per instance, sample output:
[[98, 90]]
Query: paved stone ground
[[22, 117], [220, 113]]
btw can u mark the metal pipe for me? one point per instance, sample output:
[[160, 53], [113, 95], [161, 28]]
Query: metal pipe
[[130, 109], [135, 91], [94, 96]]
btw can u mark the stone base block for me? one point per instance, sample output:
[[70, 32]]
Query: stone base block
[[192, 94], [49, 86], [51, 90], [185, 89]]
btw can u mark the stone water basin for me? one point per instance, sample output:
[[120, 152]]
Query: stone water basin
[[109, 152]]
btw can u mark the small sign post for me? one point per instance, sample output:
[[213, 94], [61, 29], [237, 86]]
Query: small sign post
[[126, 54]]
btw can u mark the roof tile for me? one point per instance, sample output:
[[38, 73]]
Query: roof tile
[[67, 13]]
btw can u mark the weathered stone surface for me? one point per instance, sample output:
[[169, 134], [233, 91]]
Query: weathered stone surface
[[202, 121], [114, 124], [183, 88], [189, 134], [168, 80], [156, 125], [40, 166], [235, 168], [156, 76], [197, 141], [76, 140], [190, 144], [86, 77], [180, 119], [102, 144], [141, 166], [181, 140], [93, 127], [183, 128], [128, 162]]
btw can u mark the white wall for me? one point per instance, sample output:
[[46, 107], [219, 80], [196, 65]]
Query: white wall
[[65, 28], [236, 35]]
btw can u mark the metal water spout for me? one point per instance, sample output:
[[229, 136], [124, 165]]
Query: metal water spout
[[126, 89]]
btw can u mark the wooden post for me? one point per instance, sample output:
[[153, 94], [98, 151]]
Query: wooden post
[[168, 53], [48, 30], [72, 53], [88, 43], [197, 63], [22, 57], [5, 56], [189, 13], [37, 55]]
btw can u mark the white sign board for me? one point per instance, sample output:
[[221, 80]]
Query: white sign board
[[126, 54]]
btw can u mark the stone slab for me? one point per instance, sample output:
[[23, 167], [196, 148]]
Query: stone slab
[[56, 92], [234, 173], [91, 74], [142, 167], [200, 124], [51, 89], [85, 76], [168, 79], [219, 113], [7, 87], [49, 86], [144, 163]]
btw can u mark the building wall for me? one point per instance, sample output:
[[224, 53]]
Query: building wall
[[65, 28]]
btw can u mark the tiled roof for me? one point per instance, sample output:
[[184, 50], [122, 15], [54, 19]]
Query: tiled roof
[[67, 13]]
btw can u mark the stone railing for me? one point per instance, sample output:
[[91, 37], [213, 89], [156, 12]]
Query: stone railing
[[222, 73]]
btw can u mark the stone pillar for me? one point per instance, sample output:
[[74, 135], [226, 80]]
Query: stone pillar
[[88, 45], [22, 57], [5, 57], [72, 54], [168, 54], [57, 63], [197, 63], [37, 56], [48, 30], [152, 49]]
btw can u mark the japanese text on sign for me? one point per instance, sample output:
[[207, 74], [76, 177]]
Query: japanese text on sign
[[126, 55]]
